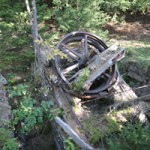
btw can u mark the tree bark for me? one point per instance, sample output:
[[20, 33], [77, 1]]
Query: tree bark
[[28, 11]]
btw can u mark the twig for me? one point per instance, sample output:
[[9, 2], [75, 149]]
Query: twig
[[29, 11]]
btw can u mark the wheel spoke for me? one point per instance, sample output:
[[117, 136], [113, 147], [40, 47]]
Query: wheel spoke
[[96, 51], [85, 50], [84, 46], [75, 75], [107, 75], [70, 50], [70, 68], [70, 54]]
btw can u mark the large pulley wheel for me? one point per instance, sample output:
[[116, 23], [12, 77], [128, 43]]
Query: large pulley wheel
[[80, 49]]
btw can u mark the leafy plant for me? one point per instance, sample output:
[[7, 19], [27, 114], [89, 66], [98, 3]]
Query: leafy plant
[[79, 15], [15, 39], [119, 7], [6, 141], [28, 113], [15, 27], [16, 61], [69, 144], [31, 116], [131, 136], [94, 131], [19, 90]]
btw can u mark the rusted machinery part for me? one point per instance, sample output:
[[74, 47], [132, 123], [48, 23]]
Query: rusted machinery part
[[80, 48]]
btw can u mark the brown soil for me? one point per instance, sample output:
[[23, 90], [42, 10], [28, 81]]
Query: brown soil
[[135, 27]]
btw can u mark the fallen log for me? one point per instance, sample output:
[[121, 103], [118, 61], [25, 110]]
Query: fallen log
[[75, 137]]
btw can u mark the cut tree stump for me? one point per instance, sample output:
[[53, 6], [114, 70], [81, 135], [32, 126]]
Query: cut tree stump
[[121, 91]]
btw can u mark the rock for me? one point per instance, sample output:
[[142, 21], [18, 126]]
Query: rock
[[5, 114], [142, 117], [3, 81], [5, 109]]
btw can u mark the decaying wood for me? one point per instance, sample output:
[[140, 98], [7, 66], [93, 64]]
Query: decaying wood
[[121, 91], [69, 115], [69, 123], [40, 60], [145, 98], [5, 112], [4, 106], [102, 62], [40, 55], [73, 134]]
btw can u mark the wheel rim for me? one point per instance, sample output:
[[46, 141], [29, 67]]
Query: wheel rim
[[81, 49]]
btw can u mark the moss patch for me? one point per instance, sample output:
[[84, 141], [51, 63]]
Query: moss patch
[[79, 82]]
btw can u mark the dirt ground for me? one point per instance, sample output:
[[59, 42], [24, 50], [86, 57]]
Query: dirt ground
[[134, 28]]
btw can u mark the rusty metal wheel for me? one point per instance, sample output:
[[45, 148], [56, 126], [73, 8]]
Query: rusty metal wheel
[[80, 48]]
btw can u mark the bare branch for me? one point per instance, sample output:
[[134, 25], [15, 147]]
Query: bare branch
[[34, 20], [29, 11]]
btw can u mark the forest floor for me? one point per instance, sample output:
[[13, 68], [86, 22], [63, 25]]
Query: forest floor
[[133, 28], [134, 35]]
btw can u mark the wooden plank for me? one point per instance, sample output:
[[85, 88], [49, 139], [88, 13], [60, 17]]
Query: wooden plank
[[73, 134], [101, 63]]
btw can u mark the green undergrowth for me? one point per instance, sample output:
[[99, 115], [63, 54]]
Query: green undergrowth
[[16, 61], [7, 142], [69, 144], [131, 136], [137, 58], [101, 128], [140, 55], [30, 110], [118, 131]]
